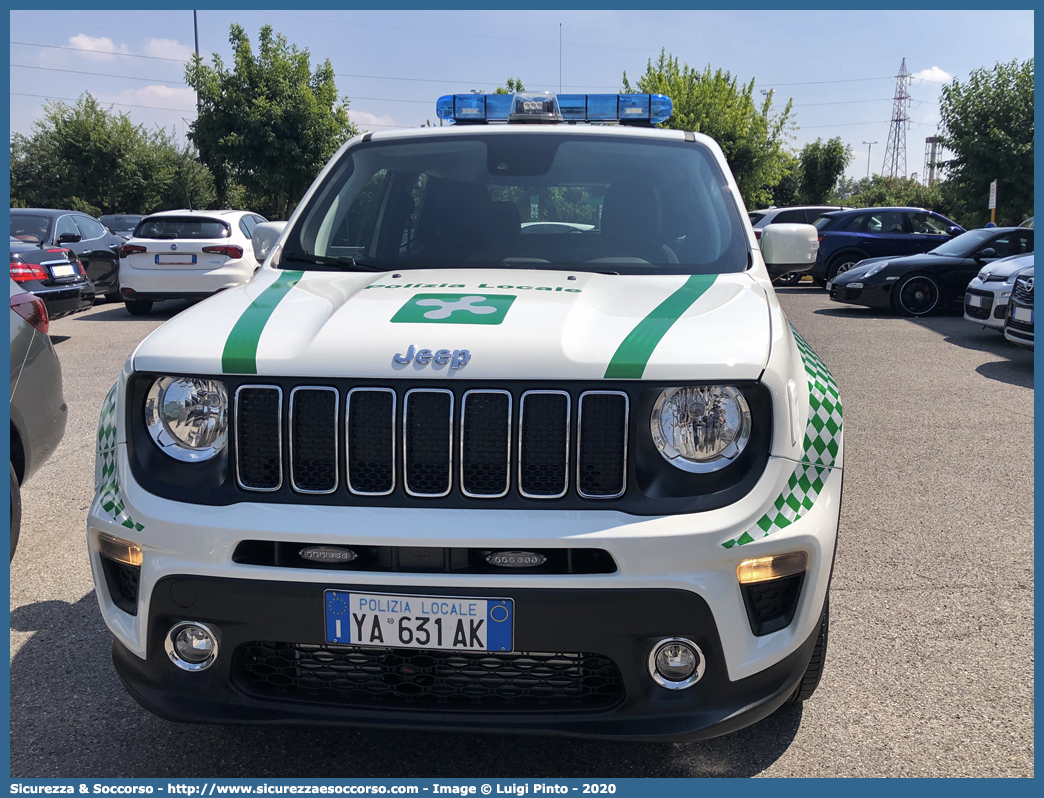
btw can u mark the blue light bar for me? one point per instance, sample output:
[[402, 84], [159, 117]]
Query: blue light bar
[[642, 109]]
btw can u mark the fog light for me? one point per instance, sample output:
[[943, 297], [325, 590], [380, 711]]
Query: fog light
[[676, 663], [763, 569], [191, 646]]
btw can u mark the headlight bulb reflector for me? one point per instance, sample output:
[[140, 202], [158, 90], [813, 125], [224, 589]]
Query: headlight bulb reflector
[[701, 428], [187, 417]]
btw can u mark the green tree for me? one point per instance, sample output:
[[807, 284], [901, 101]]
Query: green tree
[[785, 192], [882, 191], [987, 123], [514, 86], [269, 123], [89, 158], [822, 165], [714, 102]]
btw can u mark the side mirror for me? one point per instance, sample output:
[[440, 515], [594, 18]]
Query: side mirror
[[789, 247], [956, 231], [264, 238], [69, 238], [986, 254]]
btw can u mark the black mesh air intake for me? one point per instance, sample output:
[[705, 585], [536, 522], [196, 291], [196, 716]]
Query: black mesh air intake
[[258, 436], [313, 440], [435, 680], [428, 426], [486, 443], [544, 446], [121, 580], [603, 444], [371, 441], [770, 605]]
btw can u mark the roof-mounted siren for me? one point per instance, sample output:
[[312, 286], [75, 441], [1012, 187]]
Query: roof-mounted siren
[[548, 107]]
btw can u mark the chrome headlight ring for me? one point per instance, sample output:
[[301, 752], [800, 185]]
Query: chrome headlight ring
[[700, 429], [187, 417]]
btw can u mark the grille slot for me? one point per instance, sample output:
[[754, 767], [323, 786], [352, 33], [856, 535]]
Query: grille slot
[[434, 680], [259, 437], [602, 454], [427, 421], [313, 439], [485, 444], [543, 444], [370, 430]]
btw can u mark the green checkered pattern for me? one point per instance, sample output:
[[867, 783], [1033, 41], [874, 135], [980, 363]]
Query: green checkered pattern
[[820, 451], [109, 491]]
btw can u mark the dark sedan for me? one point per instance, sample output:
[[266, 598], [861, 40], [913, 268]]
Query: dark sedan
[[122, 224], [97, 247], [919, 285], [54, 274], [38, 411]]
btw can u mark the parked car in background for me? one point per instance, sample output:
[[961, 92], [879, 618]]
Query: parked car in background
[[186, 255], [847, 237], [919, 285], [986, 300], [54, 274], [122, 224], [1028, 223], [1018, 326], [38, 411], [97, 247]]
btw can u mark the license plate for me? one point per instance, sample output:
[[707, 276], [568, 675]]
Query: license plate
[[63, 271], [1022, 314], [975, 301], [830, 285], [435, 622], [176, 260]]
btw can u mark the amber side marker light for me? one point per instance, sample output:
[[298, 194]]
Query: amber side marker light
[[119, 549], [765, 569]]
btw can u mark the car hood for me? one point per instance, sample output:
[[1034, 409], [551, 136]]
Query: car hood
[[1006, 267], [514, 324]]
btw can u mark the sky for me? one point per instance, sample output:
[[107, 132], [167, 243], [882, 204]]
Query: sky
[[839, 67]]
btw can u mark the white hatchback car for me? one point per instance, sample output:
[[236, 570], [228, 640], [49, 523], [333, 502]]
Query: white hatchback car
[[186, 255], [987, 296]]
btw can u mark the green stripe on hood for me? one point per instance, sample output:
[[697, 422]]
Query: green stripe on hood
[[632, 356], [240, 354]]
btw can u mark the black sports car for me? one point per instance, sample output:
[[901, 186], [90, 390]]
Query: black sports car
[[97, 247], [54, 274], [918, 285]]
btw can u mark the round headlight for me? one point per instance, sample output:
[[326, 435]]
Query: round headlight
[[701, 429], [188, 417]]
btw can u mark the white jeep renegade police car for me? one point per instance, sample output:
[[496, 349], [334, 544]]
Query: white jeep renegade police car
[[425, 471]]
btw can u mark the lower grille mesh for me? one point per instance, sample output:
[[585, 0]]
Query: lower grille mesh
[[436, 680]]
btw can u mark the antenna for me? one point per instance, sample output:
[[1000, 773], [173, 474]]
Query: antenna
[[895, 148]]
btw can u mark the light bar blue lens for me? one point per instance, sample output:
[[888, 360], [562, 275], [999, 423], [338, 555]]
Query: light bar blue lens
[[601, 107], [573, 107], [444, 107], [661, 108], [468, 107], [634, 106], [498, 106]]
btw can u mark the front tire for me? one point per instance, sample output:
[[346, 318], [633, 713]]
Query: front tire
[[917, 295], [138, 307], [814, 672], [16, 510]]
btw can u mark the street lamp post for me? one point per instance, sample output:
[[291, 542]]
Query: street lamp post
[[869, 147]]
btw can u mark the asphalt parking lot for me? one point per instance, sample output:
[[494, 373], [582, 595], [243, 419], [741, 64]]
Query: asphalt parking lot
[[930, 666]]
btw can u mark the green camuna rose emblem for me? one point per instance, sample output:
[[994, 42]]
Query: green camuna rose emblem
[[454, 309]]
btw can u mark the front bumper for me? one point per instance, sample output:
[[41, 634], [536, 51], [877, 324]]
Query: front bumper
[[621, 625], [870, 295], [991, 308]]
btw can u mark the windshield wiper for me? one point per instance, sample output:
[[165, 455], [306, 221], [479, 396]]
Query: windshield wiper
[[340, 263]]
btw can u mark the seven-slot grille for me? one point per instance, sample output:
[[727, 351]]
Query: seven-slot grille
[[484, 443]]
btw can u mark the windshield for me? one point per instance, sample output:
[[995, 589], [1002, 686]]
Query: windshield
[[181, 227], [120, 222], [965, 244], [29, 228], [537, 200]]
